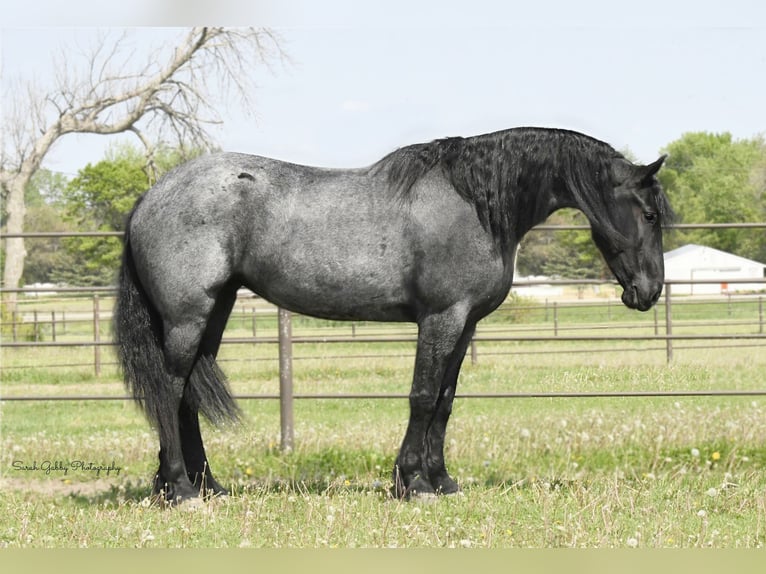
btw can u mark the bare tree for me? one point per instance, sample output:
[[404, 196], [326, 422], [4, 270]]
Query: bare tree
[[168, 99]]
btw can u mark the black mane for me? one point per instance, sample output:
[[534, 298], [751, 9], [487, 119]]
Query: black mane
[[492, 171]]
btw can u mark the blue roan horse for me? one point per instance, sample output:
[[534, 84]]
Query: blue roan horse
[[426, 235]]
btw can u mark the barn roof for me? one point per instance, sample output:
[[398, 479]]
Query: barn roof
[[703, 252]]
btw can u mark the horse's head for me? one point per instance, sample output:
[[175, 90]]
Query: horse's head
[[634, 252]]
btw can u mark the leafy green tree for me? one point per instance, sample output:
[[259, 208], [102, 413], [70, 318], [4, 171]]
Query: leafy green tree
[[713, 178], [98, 199], [44, 213], [569, 254]]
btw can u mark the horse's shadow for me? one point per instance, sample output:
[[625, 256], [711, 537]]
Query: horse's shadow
[[115, 494], [140, 492]]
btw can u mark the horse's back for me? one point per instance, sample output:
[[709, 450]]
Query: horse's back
[[298, 235]]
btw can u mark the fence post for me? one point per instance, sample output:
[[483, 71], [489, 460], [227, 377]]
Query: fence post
[[555, 319], [728, 306], [760, 314], [286, 379], [36, 326], [53, 326], [96, 336], [254, 328], [668, 324], [14, 325]]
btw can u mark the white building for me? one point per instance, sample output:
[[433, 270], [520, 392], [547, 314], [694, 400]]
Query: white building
[[697, 262]]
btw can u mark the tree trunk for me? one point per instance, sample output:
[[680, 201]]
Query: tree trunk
[[14, 246]]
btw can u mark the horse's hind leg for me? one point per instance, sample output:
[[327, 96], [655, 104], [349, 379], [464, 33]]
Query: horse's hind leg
[[195, 458], [197, 466], [185, 326], [181, 342]]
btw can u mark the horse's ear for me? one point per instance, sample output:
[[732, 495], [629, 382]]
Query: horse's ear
[[648, 171]]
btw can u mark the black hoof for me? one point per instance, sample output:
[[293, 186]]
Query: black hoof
[[207, 486], [443, 483], [406, 488], [175, 494]]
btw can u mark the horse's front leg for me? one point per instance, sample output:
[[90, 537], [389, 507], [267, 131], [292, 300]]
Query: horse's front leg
[[438, 476], [438, 337]]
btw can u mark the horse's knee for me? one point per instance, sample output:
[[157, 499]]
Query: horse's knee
[[422, 402]]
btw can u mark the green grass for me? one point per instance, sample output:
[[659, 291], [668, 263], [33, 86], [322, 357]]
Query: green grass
[[657, 472], [542, 472]]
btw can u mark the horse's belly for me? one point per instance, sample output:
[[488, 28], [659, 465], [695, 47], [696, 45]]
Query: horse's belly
[[356, 284]]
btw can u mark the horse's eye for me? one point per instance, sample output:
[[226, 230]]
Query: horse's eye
[[650, 217]]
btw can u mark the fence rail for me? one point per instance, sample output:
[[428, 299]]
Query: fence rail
[[679, 226], [402, 396]]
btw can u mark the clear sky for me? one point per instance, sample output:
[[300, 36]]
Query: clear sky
[[367, 77]]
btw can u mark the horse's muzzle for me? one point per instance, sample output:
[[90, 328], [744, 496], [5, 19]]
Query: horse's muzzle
[[641, 296]]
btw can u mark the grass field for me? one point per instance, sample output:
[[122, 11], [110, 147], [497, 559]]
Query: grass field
[[536, 472]]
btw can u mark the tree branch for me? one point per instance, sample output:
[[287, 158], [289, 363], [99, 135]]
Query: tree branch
[[155, 102]]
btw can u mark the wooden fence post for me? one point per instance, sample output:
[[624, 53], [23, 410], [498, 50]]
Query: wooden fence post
[[668, 324], [286, 379], [96, 336]]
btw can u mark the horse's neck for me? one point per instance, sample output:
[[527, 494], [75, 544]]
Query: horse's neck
[[534, 205]]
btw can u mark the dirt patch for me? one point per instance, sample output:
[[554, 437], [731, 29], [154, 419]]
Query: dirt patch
[[61, 487]]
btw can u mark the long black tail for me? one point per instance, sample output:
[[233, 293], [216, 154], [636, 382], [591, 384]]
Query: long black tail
[[138, 334]]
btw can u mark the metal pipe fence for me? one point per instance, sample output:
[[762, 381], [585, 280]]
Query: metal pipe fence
[[524, 322], [84, 326]]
